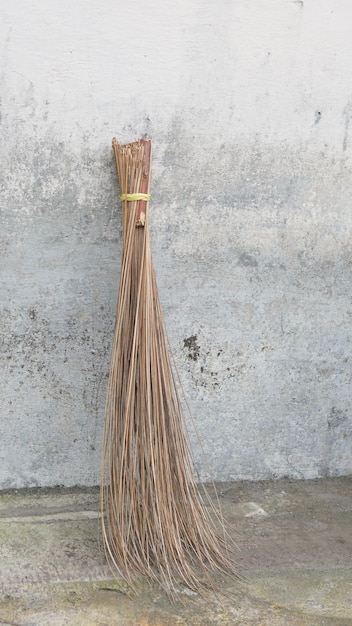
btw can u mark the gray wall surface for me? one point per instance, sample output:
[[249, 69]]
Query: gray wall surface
[[249, 106]]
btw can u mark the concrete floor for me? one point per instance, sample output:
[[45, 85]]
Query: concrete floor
[[296, 551]]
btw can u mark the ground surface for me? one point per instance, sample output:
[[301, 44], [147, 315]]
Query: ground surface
[[296, 551]]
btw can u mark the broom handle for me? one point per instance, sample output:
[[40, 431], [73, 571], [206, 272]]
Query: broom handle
[[145, 182]]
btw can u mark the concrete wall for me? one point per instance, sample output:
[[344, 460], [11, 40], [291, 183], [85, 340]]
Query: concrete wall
[[249, 103]]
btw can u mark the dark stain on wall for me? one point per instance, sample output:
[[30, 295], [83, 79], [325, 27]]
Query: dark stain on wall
[[190, 343]]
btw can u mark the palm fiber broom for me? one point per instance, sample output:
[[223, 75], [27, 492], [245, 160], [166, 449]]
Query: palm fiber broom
[[154, 522]]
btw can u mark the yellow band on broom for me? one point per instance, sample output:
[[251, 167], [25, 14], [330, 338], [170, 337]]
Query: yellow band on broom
[[132, 197]]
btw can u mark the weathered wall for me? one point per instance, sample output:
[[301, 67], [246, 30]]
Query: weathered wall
[[249, 104]]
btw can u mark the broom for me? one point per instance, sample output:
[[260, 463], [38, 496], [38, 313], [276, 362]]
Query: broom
[[154, 522]]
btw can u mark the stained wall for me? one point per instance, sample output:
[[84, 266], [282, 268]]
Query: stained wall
[[249, 106]]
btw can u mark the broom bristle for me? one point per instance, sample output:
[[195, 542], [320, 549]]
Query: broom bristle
[[154, 522]]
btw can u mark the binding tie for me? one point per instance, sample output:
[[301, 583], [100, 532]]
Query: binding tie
[[133, 197]]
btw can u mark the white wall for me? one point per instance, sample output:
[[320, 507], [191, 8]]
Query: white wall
[[249, 105]]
